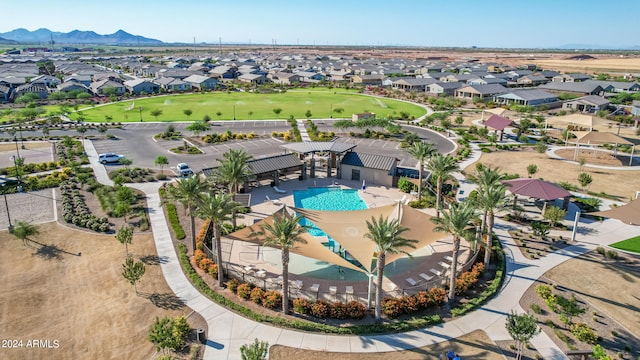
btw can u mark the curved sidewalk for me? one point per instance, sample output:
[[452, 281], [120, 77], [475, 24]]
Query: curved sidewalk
[[228, 331]]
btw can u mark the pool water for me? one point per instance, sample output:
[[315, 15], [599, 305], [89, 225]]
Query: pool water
[[325, 198]]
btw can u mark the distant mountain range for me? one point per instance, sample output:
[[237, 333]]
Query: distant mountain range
[[45, 36]]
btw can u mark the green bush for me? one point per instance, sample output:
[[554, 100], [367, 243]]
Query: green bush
[[584, 333], [301, 306], [172, 213]]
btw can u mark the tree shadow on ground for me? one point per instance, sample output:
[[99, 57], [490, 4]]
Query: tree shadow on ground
[[49, 252], [153, 260], [167, 301]]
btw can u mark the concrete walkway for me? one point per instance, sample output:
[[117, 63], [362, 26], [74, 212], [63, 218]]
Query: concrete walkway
[[229, 331]]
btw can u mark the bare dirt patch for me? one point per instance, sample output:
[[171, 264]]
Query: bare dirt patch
[[70, 289], [609, 295], [614, 182], [475, 345]]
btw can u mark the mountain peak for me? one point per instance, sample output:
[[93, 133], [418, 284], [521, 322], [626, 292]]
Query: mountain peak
[[44, 35]]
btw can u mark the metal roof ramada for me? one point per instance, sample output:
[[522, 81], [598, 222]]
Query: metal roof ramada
[[370, 161], [265, 165], [318, 146]]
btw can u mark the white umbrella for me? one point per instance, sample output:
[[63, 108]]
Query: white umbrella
[[364, 185]]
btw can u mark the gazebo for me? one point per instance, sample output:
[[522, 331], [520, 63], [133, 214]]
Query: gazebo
[[595, 138], [498, 123], [538, 189]]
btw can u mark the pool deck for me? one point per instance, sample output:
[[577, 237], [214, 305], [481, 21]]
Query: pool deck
[[408, 278]]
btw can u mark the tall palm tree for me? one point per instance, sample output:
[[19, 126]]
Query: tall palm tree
[[455, 221], [218, 208], [188, 191], [421, 151], [441, 167], [234, 169], [284, 232], [491, 196], [490, 199], [387, 234]]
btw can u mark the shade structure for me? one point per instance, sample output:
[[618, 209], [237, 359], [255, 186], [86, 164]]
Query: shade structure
[[349, 228], [313, 248], [596, 137], [587, 121], [628, 213], [497, 122], [536, 188]]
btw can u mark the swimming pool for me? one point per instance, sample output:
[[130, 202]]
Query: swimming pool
[[327, 198]]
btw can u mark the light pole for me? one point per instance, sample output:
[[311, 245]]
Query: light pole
[[234, 111], [15, 138], [15, 166], [140, 109], [6, 204], [330, 111]]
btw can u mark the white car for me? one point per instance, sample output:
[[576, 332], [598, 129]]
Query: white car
[[184, 170], [109, 158]]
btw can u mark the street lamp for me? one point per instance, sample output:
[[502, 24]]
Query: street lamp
[[15, 138], [140, 108], [15, 166], [234, 111], [330, 111]]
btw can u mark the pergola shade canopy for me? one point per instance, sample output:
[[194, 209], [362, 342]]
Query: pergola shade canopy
[[628, 213], [497, 122], [536, 188], [595, 137], [318, 146]]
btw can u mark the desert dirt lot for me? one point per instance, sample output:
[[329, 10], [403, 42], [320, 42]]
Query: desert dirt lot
[[475, 345], [619, 183], [71, 290]]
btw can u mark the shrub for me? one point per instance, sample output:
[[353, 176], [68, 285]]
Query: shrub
[[320, 309], [161, 177], [213, 270], [205, 263], [198, 256], [409, 304], [244, 291], [271, 299], [301, 306], [536, 309], [355, 310], [256, 295], [438, 296], [339, 310], [612, 254], [584, 333], [423, 299], [391, 307], [172, 214], [232, 285]]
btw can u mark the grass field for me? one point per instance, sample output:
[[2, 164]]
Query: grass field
[[632, 245], [249, 106]]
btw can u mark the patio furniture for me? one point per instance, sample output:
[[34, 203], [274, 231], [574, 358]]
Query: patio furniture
[[425, 276], [448, 258], [349, 290], [444, 264], [333, 290], [274, 201], [249, 268], [261, 273], [314, 288], [411, 281], [278, 190], [438, 273]]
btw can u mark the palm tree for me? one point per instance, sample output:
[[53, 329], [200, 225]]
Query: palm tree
[[387, 234], [420, 151], [234, 169], [490, 199], [188, 191], [218, 207], [284, 232], [441, 167], [456, 222]]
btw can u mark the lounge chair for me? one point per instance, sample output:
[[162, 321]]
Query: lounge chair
[[278, 190], [438, 273], [314, 288], [274, 201], [444, 264], [425, 276], [411, 281]]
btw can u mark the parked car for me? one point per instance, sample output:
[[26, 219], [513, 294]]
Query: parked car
[[109, 158], [184, 170]]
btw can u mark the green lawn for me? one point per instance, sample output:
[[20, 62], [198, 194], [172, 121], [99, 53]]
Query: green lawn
[[632, 245], [249, 106]]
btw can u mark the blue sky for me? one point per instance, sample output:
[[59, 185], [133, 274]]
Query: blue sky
[[482, 23]]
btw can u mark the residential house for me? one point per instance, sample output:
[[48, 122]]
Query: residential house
[[201, 82], [444, 88], [635, 107], [487, 81], [374, 80], [5, 93], [69, 86], [412, 84], [172, 84], [575, 77], [363, 116], [580, 88], [254, 79], [176, 73], [371, 168], [98, 88], [38, 88], [458, 77], [139, 86], [48, 81], [310, 77], [616, 86], [589, 104], [340, 75], [480, 91], [527, 97], [549, 74], [532, 80], [285, 78], [223, 72], [80, 78]]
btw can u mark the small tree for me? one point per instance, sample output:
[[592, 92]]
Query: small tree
[[155, 113], [187, 112], [23, 230], [126, 162], [81, 130], [522, 328], [161, 161], [198, 127], [168, 334], [532, 169], [582, 161], [307, 114], [206, 118], [585, 180], [540, 229], [277, 111], [254, 351], [459, 120], [125, 236], [554, 214], [132, 271]]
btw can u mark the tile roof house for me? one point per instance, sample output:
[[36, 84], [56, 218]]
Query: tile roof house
[[480, 91], [589, 103], [532, 80], [139, 86], [172, 84], [99, 87], [575, 77], [581, 88], [616, 86], [412, 84], [201, 82], [444, 88], [38, 88], [5, 93]]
